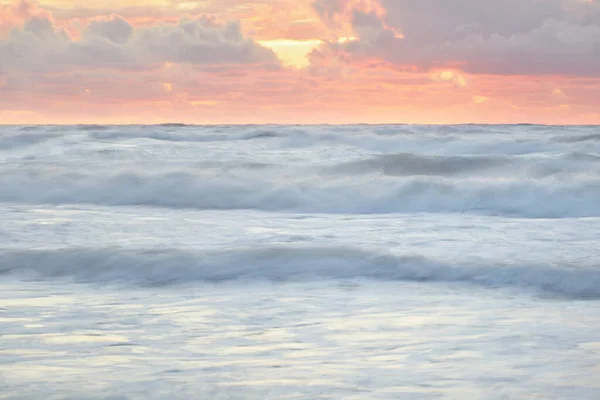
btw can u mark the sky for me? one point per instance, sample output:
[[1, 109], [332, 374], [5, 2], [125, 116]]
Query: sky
[[299, 61]]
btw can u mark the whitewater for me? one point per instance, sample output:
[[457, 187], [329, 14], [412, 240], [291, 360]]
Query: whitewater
[[299, 262]]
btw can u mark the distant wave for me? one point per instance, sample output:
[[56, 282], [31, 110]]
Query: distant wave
[[172, 267], [13, 141], [525, 198], [320, 169], [579, 138], [187, 135], [416, 164], [174, 125], [406, 164], [474, 139], [93, 127]]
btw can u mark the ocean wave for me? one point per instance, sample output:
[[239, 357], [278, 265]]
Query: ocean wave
[[551, 198], [174, 125], [201, 134], [407, 164], [527, 198], [448, 140], [92, 127], [594, 137], [173, 267], [14, 141]]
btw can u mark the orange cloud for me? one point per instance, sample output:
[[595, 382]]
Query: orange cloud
[[339, 62], [15, 14]]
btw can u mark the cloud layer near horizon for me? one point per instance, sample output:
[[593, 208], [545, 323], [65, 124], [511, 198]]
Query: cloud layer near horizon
[[512, 37], [371, 61], [40, 46]]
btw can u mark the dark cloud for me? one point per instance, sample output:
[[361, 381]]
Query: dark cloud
[[116, 29], [40, 46], [507, 37]]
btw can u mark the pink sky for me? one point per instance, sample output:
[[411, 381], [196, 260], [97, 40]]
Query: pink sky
[[300, 61]]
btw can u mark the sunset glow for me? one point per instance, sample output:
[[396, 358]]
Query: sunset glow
[[305, 61]]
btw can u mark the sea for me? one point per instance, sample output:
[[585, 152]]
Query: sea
[[300, 262]]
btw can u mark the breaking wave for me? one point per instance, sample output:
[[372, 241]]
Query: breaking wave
[[549, 198], [173, 267], [523, 171]]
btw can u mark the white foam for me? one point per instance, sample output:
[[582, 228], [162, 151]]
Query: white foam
[[513, 197], [525, 171]]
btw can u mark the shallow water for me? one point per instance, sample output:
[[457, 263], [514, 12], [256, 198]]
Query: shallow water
[[277, 262]]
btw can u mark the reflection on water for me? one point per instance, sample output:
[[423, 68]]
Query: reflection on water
[[384, 340]]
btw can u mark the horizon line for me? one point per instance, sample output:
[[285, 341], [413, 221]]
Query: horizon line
[[181, 124]]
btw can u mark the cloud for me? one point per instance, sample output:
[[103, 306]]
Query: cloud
[[365, 18], [39, 45], [201, 41], [116, 30], [427, 61], [559, 37], [18, 12]]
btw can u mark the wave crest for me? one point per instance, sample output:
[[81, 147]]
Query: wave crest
[[171, 267], [522, 198]]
